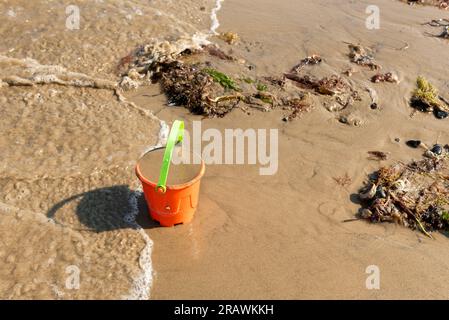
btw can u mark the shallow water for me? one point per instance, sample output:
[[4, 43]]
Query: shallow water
[[108, 30], [181, 171], [68, 195]]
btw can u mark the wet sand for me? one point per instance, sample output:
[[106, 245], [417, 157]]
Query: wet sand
[[68, 157], [283, 236]]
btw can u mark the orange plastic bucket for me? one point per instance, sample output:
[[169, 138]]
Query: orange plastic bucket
[[171, 204]]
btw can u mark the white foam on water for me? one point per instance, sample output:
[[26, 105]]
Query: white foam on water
[[199, 39], [162, 137], [163, 134], [214, 18], [141, 288]]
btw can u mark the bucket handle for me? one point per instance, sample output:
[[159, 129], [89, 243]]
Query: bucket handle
[[176, 135]]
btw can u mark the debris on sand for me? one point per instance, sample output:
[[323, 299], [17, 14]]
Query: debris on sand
[[207, 91], [265, 97], [275, 81], [387, 77], [444, 34], [444, 23], [261, 87], [217, 52], [438, 23], [148, 60], [297, 106], [437, 149], [199, 89], [414, 143], [333, 85], [442, 4], [360, 56], [349, 72], [229, 37], [374, 98], [425, 98], [304, 82], [189, 80], [426, 94], [378, 155], [336, 92], [312, 60], [344, 180], [415, 195]]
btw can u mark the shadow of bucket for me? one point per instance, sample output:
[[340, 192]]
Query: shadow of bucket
[[171, 204]]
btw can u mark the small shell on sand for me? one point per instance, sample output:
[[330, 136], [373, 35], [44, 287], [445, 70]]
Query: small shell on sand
[[369, 193]]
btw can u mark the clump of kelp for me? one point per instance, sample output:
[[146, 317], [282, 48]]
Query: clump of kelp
[[201, 90], [425, 98], [442, 4], [229, 37], [188, 80], [415, 195], [210, 82]]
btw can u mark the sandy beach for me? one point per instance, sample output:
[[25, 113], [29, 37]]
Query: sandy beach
[[71, 205]]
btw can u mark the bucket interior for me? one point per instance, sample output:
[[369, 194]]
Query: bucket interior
[[185, 166]]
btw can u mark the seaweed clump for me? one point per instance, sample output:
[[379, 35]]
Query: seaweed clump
[[190, 81], [229, 37], [425, 98], [196, 89], [334, 86], [415, 195]]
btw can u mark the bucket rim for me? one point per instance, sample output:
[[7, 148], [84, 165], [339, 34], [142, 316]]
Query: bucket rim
[[171, 186]]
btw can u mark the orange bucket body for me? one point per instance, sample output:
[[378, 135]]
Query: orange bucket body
[[178, 203]]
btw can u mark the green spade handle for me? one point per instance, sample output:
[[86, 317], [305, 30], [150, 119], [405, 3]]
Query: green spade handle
[[176, 135]]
